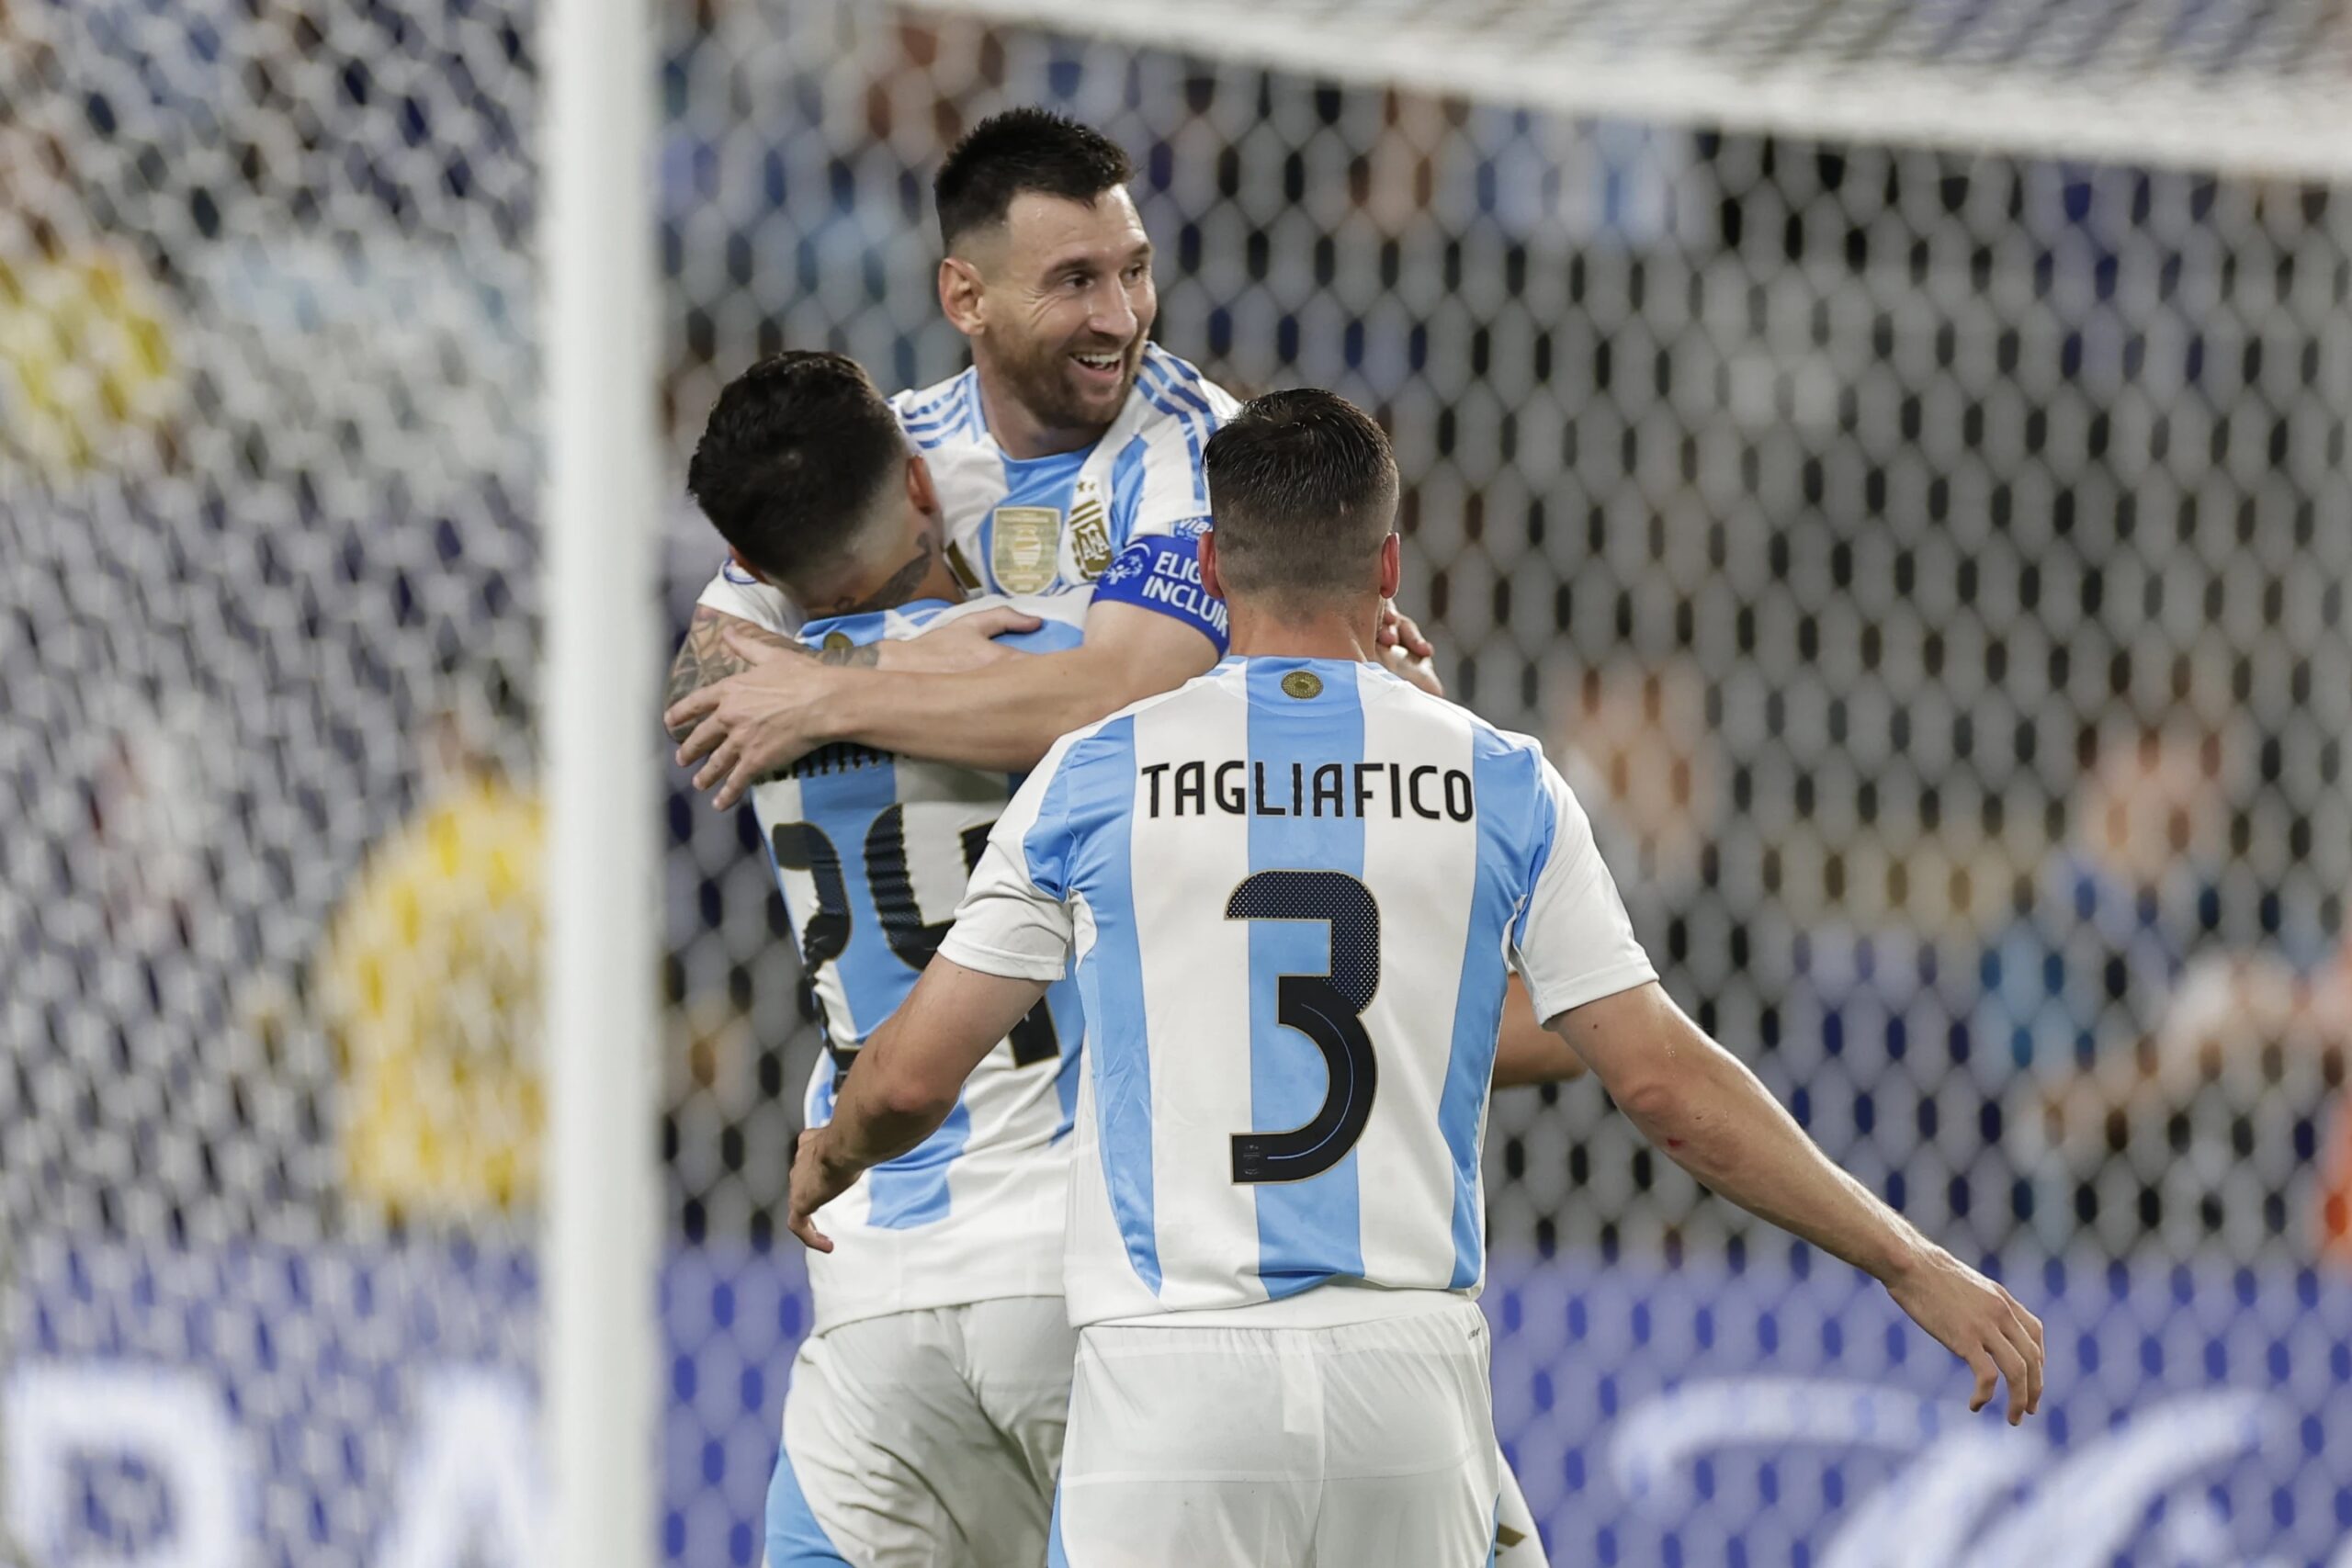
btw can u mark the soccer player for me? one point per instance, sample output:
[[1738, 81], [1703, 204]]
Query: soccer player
[[1293, 889], [925, 1416], [1068, 454]]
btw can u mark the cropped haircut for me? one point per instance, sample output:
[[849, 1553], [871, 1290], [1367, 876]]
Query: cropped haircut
[[1303, 490], [1023, 150], [793, 460]]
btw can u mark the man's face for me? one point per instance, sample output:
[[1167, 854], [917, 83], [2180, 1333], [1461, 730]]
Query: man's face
[[1069, 301]]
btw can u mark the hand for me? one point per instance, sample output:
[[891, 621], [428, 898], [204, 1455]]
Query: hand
[[752, 725], [1398, 630], [816, 1181], [1420, 672], [1404, 652], [1977, 1321], [968, 642]]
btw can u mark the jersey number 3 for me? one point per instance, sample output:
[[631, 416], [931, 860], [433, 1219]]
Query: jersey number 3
[[1327, 1008]]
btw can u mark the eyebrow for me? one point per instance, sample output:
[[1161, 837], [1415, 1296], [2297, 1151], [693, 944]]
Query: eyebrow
[[1143, 251]]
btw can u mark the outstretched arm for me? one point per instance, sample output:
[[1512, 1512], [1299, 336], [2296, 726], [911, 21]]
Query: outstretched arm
[[1527, 1053], [905, 1082], [1707, 1111], [1004, 717]]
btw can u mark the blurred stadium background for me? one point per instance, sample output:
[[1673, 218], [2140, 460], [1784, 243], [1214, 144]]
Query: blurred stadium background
[[1893, 454]]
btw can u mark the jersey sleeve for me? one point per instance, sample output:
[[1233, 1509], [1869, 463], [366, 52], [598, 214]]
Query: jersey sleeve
[[1173, 499], [1162, 573], [1015, 921], [1573, 942], [734, 592]]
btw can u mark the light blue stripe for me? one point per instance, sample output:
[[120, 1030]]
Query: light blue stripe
[[1192, 438], [955, 390], [1310, 1231], [794, 1539], [1068, 1013], [1082, 841], [1056, 1554], [1500, 779], [911, 1190]]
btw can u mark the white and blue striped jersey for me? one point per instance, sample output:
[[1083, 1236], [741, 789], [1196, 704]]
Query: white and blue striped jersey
[[1294, 889], [872, 853], [1122, 514]]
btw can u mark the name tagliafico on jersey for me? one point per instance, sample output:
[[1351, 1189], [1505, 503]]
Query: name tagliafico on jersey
[[1236, 788]]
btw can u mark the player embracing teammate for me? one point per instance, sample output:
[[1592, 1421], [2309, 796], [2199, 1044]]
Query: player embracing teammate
[[1275, 1223]]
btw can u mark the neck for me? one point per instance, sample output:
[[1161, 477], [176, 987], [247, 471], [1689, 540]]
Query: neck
[[1022, 434], [923, 575], [1347, 629]]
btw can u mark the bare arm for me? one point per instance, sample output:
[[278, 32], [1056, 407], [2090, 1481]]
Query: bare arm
[[1004, 717], [711, 653], [1707, 1111], [1528, 1053], [905, 1082]]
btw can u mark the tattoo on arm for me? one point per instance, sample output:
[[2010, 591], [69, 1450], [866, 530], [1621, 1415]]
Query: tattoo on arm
[[705, 657]]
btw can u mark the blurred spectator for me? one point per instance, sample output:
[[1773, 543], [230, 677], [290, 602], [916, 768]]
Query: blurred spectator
[[428, 980], [1634, 743], [2092, 962], [2165, 1074], [87, 361]]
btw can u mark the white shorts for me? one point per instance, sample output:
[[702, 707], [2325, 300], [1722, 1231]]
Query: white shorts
[[925, 1439], [1360, 1446]]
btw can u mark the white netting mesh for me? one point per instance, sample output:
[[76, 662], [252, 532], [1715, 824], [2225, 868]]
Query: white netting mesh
[[1930, 564]]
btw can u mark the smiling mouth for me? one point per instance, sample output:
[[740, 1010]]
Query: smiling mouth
[[1107, 363]]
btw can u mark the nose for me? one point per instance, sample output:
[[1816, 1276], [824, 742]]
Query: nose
[[1113, 314]]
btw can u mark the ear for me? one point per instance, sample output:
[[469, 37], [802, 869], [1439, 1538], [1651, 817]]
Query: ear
[[920, 492], [960, 294], [1392, 565], [1209, 579]]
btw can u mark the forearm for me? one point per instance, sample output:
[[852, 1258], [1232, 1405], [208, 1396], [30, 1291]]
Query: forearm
[[905, 1080], [1003, 717], [875, 1121], [705, 657], [1720, 1124]]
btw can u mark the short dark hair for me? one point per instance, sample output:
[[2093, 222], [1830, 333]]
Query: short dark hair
[[1302, 487], [792, 458], [1023, 150]]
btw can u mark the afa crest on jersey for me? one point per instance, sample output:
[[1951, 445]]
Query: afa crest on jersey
[[1090, 526], [1026, 556]]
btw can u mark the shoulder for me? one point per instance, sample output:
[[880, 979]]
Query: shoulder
[[1063, 611], [1177, 384], [933, 416], [1111, 742], [1178, 403]]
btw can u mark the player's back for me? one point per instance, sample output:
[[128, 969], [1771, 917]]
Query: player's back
[[872, 852], [1300, 882]]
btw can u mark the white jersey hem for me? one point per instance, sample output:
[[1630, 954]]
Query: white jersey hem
[[1325, 1306]]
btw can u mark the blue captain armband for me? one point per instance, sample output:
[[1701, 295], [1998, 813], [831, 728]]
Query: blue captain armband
[[1163, 573]]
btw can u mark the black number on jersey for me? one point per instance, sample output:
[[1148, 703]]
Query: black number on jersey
[[804, 846], [1327, 1008]]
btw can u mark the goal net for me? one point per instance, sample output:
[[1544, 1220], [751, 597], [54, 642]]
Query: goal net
[[1893, 456]]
